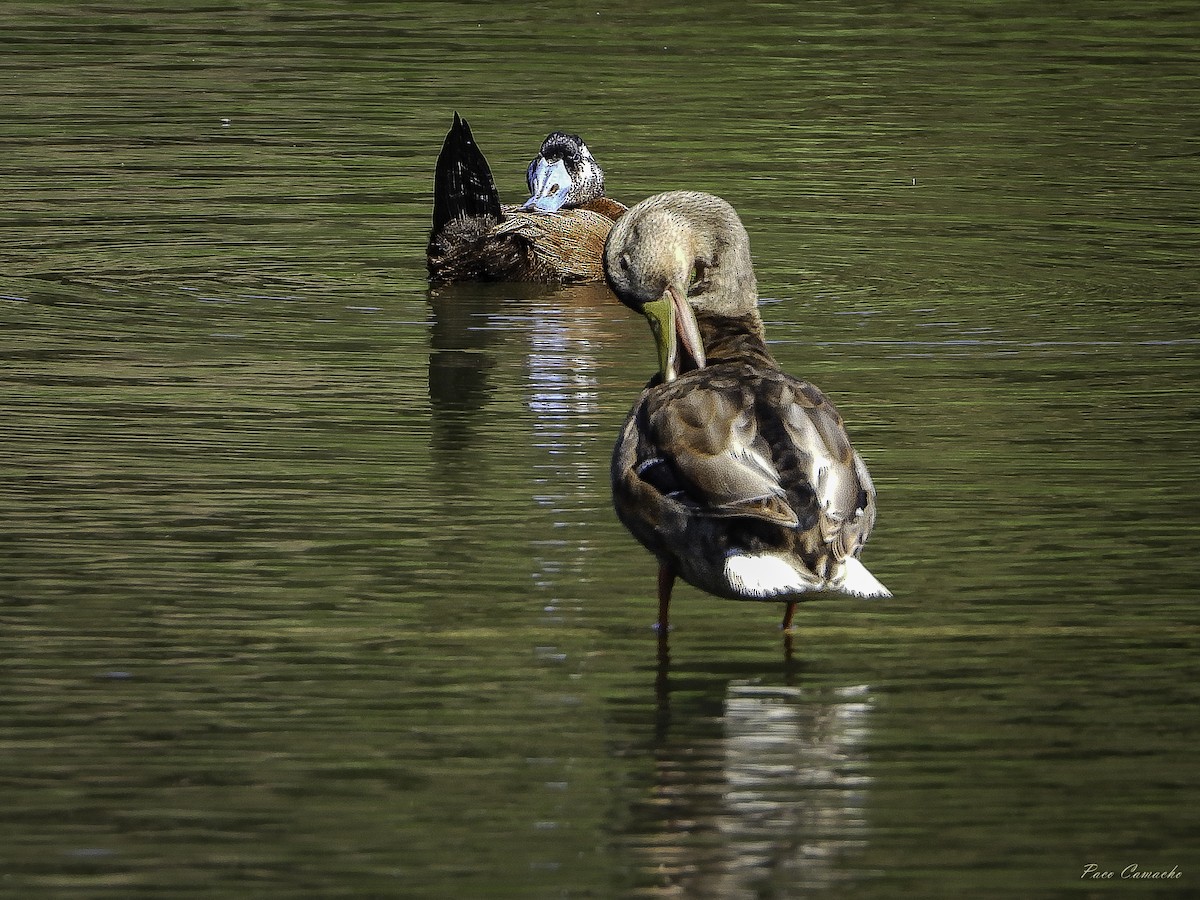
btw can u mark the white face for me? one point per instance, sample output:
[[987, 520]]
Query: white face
[[564, 174]]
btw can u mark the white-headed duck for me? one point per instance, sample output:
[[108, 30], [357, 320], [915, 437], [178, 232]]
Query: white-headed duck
[[557, 235]]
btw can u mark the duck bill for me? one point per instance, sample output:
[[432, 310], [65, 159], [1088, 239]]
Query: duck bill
[[673, 324], [549, 185]]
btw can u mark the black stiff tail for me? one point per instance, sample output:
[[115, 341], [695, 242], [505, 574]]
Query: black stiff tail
[[462, 182]]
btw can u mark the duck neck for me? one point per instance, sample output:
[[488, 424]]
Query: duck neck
[[734, 339]]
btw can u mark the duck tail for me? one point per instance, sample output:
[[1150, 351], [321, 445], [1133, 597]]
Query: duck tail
[[858, 581], [462, 181]]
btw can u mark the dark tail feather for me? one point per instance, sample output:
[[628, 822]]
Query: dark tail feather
[[462, 182]]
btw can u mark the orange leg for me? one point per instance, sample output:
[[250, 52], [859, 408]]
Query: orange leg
[[666, 581], [787, 616]]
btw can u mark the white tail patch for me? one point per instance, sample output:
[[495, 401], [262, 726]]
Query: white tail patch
[[764, 576], [858, 581]]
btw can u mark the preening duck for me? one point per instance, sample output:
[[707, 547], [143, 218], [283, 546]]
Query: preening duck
[[738, 477], [557, 235]]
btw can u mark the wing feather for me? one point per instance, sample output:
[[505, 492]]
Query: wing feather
[[709, 433], [572, 240], [825, 459]]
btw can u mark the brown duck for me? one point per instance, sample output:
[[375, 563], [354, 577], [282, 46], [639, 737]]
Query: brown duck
[[737, 476], [557, 235]]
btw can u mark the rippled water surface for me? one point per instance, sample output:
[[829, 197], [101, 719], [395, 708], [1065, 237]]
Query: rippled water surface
[[310, 584]]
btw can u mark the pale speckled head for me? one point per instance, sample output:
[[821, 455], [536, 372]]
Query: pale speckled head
[[678, 255], [688, 239], [563, 174]]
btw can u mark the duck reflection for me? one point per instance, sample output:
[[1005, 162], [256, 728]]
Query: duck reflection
[[759, 792], [470, 323], [562, 368], [563, 372], [460, 360], [513, 388], [457, 364]]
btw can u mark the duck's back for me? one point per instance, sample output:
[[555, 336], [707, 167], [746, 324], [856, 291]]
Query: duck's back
[[564, 246], [737, 459]]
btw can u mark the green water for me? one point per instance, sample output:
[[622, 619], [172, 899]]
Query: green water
[[309, 583]]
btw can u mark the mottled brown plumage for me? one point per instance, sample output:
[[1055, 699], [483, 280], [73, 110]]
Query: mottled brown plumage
[[737, 476], [556, 236]]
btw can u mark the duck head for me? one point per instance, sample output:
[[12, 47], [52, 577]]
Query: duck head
[[564, 173], [676, 256]]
